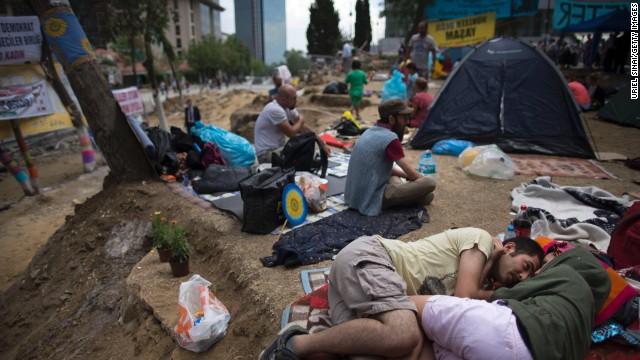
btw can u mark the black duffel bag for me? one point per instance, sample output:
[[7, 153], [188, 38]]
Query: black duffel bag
[[262, 199], [300, 152], [220, 178]]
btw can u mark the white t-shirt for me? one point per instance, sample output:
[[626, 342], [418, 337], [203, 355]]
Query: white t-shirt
[[346, 50], [267, 135], [429, 266], [420, 48]]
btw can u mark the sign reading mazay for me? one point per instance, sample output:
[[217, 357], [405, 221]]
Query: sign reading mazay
[[129, 100], [20, 39], [24, 101]]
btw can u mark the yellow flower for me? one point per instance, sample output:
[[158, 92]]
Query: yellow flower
[[157, 213], [86, 45], [55, 27]]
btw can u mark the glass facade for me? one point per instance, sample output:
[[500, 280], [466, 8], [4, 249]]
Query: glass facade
[[205, 20], [274, 24]]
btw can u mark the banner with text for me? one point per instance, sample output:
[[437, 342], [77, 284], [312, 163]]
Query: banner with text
[[24, 101], [20, 39], [453, 9], [464, 31], [568, 12], [19, 75], [129, 100]]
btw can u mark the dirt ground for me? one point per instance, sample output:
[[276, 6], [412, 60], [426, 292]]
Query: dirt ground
[[77, 275]]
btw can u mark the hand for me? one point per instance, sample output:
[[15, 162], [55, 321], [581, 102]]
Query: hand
[[498, 249]]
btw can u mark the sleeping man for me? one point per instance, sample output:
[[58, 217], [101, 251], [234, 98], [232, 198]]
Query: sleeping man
[[549, 316]]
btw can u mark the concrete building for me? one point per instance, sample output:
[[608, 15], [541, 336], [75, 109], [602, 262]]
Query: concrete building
[[261, 25], [194, 19]]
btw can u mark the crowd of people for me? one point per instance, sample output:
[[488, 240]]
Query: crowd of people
[[611, 55]]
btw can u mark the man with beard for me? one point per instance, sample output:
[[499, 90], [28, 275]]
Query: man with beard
[[277, 119], [373, 182]]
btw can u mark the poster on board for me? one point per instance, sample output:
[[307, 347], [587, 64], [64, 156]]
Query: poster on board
[[20, 39]]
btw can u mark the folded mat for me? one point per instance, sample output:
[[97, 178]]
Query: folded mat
[[324, 238]]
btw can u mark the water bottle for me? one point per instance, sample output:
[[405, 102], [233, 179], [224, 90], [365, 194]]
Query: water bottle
[[510, 233], [427, 165], [522, 223]]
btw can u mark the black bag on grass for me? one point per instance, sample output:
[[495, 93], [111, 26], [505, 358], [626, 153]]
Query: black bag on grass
[[262, 199], [220, 178], [300, 153]]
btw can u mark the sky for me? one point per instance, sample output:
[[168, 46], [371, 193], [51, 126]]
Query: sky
[[298, 20]]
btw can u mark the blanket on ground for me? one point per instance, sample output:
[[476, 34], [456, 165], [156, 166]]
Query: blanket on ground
[[324, 238], [584, 214]]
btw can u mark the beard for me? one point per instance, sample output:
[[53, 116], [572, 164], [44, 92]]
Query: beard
[[398, 130]]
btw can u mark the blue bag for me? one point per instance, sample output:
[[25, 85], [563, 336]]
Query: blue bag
[[394, 88], [235, 149], [451, 146]]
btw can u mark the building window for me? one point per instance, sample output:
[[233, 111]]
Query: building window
[[179, 43], [177, 30], [193, 30]]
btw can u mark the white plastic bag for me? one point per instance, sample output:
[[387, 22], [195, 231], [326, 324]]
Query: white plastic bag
[[203, 318], [488, 161], [313, 188]]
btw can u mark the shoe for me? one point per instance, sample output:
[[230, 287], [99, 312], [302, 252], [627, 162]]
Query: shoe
[[277, 350], [358, 118]]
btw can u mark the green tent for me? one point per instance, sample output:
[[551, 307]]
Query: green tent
[[622, 109]]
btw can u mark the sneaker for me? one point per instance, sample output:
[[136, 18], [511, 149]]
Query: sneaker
[[277, 350]]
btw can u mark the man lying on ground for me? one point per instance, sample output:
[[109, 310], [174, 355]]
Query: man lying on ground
[[549, 316], [372, 278]]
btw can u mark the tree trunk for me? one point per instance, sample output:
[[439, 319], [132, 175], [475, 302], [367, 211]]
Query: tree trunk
[[120, 147], [173, 73], [148, 64], [133, 60]]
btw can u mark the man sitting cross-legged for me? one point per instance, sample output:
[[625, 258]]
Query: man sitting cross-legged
[[371, 280]]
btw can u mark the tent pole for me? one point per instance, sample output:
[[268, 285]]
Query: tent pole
[[593, 140], [17, 172], [26, 155]]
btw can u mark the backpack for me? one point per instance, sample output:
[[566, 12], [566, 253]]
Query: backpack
[[625, 241], [347, 128], [300, 153]]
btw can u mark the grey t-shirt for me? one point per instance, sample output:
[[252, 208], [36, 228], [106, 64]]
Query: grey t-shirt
[[420, 50], [267, 135]]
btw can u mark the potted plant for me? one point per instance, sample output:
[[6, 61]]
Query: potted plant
[[179, 261], [160, 231]]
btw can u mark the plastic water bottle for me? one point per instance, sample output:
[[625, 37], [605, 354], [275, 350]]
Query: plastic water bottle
[[427, 165], [510, 233], [522, 223]]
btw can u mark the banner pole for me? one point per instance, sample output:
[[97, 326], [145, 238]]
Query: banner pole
[[17, 172], [26, 155]]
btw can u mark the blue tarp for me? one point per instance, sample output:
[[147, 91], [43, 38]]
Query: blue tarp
[[619, 20]]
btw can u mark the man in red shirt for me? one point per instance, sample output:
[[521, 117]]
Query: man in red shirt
[[579, 91]]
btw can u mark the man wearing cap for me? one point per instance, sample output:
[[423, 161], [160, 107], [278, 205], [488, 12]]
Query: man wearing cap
[[373, 183]]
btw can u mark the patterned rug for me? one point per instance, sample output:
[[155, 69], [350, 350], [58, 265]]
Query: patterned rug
[[539, 165], [312, 312]]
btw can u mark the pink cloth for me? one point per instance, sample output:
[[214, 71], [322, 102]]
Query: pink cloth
[[421, 101], [453, 324], [580, 92]]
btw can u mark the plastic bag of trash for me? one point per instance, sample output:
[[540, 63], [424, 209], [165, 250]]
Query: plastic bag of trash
[[203, 318], [394, 88], [313, 188], [488, 161]]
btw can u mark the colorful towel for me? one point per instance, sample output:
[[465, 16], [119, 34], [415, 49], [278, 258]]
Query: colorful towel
[[559, 166]]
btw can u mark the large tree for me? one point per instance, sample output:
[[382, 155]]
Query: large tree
[[296, 61], [238, 57], [206, 57], [323, 33], [408, 12], [363, 25], [119, 145]]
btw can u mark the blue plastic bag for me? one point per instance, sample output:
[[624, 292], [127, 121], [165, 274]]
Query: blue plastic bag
[[451, 146], [235, 149], [394, 88]]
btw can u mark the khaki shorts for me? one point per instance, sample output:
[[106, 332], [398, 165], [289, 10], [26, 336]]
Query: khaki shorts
[[363, 282]]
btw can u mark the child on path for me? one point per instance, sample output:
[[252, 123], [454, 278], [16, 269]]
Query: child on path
[[420, 103], [411, 77], [356, 79]]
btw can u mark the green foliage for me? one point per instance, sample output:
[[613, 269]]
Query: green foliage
[[207, 57], [296, 61], [407, 12], [323, 33], [258, 68], [238, 57], [160, 231], [363, 25], [179, 244]]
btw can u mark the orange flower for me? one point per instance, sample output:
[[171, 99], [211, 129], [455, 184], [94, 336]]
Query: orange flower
[[174, 222], [163, 218]]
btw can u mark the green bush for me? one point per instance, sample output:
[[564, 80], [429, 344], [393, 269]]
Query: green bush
[[179, 243], [160, 231]]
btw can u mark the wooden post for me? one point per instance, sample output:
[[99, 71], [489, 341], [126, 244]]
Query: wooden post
[[17, 172], [26, 155]]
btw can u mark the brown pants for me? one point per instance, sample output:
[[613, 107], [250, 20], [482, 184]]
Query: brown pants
[[419, 191]]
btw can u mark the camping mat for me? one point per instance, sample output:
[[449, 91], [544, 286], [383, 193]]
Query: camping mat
[[312, 312], [323, 239], [342, 163], [559, 166]]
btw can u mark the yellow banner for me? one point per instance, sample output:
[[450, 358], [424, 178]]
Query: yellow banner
[[11, 75], [463, 31]]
